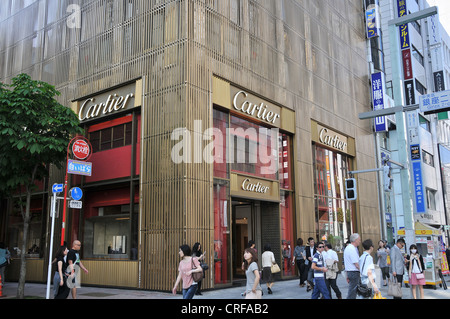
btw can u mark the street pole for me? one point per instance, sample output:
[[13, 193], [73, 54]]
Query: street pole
[[53, 214], [402, 138]]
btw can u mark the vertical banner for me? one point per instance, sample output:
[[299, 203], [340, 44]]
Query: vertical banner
[[407, 64], [412, 121], [378, 85], [372, 21], [404, 32]]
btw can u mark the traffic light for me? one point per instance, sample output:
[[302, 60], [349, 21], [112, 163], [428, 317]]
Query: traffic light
[[387, 178], [350, 189]]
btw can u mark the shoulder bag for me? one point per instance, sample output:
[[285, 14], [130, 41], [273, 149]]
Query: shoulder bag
[[419, 275], [275, 268], [197, 276], [362, 289]]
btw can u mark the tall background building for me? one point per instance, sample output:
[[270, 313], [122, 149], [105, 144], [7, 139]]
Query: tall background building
[[160, 84]]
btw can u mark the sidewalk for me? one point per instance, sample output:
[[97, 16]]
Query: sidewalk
[[288, 289]]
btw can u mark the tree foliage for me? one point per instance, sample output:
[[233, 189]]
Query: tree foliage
[[34, 131]]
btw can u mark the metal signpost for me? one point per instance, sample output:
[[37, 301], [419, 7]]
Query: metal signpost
[[399, 110], [56, 189]]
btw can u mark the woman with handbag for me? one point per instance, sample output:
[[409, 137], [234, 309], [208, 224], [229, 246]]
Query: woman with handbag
[[186, 269], [197, 252], [367, 271], [416, 275], [268, 259]]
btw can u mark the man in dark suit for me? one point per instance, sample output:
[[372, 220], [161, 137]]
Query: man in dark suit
[[310, 250]]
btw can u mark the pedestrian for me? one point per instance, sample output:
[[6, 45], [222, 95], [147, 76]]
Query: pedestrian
[[251, 244], [447, 254], [5, 257], [197, 252], [253, 288], [332, 262], [310, 251], [74, 266], [187, 266], [416, 268], [382, 254], [319, 269], [397, 261], [299, 259], [268, 259], [60, 289], [367, 267], [351, 263]]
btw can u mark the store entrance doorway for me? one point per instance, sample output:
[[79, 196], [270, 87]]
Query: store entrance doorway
[[257, 221]]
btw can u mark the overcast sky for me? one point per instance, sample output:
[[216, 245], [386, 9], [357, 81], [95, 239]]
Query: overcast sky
[[444, 12]]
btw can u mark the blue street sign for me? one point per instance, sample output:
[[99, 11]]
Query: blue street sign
[[76, 193], [79, 168], [57, 188]]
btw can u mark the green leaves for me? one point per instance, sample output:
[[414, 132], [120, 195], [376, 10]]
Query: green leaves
[[34, 129]]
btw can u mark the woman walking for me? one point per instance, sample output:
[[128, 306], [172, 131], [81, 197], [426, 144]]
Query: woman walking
[[187, 266], [382, 254], [416, 275], [61, 291], [253, 289], [197, 252], [299, 260], [367, 270], [268, 259]]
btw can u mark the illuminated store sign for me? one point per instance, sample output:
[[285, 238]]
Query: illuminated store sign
[[108, 103], [254, 107], [332, 139], [89, 109], [248, 186]]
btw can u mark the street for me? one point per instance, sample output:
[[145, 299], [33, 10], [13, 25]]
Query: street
[[287, 289]]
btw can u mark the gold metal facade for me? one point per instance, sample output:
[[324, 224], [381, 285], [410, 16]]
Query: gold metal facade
[[306, 55]]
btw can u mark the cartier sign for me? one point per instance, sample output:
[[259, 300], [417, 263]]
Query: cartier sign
[[330, 138], [253, 106], [249, 186], [108, 103], [245, 186]]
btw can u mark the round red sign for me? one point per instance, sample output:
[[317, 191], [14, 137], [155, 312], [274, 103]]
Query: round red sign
[[81, 149]]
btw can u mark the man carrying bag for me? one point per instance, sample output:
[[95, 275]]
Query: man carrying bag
[[397, 270]]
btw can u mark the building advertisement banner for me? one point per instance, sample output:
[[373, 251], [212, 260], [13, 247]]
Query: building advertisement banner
[[378, 84], [372, 21], [404, 33], [407, 64], [418, 187]]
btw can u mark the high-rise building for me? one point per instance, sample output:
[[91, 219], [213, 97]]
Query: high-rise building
[[211, 121]]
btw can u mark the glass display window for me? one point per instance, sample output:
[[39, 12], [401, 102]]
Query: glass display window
[[334, 214]]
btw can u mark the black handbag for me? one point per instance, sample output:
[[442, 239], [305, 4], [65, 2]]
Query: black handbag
[[362, 289]]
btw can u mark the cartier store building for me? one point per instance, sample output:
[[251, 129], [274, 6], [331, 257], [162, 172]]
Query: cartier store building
[[216, 122]]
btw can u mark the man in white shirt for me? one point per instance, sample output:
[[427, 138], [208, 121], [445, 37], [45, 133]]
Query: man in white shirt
[[351, 263], [331, 260]]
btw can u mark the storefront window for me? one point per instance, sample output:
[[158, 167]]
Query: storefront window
[[220, 120], [334, 214], [222, 260], [34, 244], [254, 148], [109, 232], [287, 232], [285, 159]]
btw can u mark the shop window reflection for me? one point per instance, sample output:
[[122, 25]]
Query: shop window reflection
[[107, 234], [334, 214], [222, 260]]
